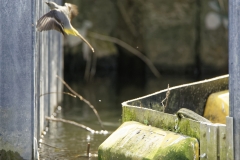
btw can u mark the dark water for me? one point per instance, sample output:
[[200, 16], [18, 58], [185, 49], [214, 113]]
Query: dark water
[[66, 141]]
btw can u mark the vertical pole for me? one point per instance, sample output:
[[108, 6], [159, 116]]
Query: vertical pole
[[16, 79], [24, 66], [234, 72]]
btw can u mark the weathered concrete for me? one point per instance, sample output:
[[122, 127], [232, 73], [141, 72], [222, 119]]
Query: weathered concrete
[[28, 65], [215, 139], [133, 140], [192, 96]]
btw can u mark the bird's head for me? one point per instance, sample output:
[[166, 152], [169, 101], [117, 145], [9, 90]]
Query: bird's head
[[52, 5]]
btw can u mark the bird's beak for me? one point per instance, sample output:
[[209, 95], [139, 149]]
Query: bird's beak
[[47, 3]]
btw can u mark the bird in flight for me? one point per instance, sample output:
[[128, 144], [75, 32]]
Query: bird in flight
[[59, 19]]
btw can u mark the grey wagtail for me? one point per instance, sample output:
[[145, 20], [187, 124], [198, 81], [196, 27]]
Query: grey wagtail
[[59, 18]]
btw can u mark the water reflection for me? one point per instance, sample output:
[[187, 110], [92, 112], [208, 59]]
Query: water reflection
[[66, 141]]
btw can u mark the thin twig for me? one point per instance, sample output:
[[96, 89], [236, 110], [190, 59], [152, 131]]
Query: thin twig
[[88, 150], [70, 122], [58, 93], [165, 99], [129, 48], [51, 146], [82, 99]]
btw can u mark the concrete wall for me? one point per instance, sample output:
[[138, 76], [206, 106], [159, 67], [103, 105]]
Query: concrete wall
[[28, 65]]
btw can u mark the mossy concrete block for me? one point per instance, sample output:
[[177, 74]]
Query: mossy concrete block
[[162, 120], [133, 140]]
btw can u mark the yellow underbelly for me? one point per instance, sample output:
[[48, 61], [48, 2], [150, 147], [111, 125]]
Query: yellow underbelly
[[71, 31]]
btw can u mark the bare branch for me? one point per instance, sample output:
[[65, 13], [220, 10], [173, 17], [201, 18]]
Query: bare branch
[[165, 99], [70, 122], [129, 48], [58, 93], [82, 99], [51, 146]]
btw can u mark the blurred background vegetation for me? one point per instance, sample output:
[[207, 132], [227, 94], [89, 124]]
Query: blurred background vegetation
[[185, 37]]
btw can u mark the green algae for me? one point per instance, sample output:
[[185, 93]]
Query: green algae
[[162, 120], [9, 155], [134, 140], [128, 115], [183, 150]]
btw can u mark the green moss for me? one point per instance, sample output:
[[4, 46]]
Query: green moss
[[110, 154], [128, 115], [161, 120], [171, 154], [185, 127], [145, 122], [10, 155], [157, 107], [134, 140], [183, 150]]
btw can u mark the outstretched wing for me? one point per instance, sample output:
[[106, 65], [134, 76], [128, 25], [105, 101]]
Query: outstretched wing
[[50, 21], [73, 10]]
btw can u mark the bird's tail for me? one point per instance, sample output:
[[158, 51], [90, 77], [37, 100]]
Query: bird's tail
[[75, 33], [80, 36]]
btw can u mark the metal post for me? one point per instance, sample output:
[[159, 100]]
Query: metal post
[[24, 68], [16, 79], [234, 72]]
